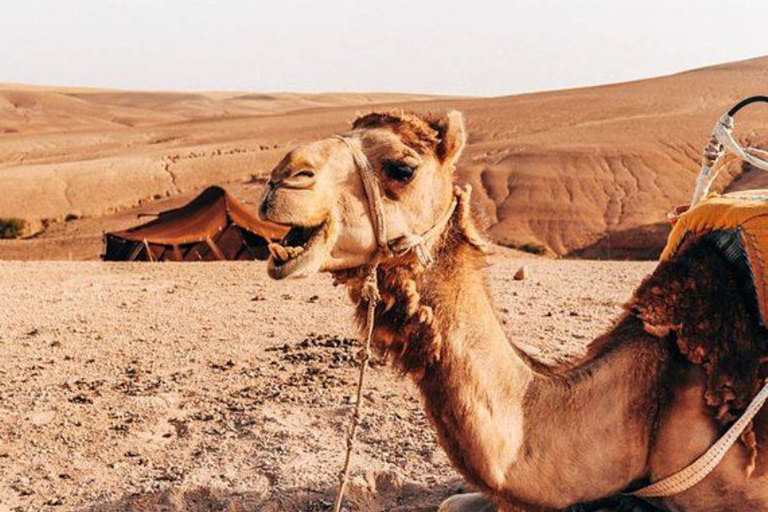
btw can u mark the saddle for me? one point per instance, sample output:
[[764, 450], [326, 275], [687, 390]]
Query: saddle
[[693, 298]]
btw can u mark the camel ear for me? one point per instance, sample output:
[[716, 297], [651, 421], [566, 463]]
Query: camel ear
[[453, 137]]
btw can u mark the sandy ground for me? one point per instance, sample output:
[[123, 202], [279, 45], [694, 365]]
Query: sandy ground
[[202, 387]]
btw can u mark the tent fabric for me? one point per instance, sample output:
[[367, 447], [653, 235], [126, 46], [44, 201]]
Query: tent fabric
[[214, 226]]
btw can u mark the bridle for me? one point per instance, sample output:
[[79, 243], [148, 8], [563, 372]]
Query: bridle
[[399, 246], [403, 244]]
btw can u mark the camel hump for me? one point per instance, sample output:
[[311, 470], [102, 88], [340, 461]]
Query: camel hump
[[708, 295]]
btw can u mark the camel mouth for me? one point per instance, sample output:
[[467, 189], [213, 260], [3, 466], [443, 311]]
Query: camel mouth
[[298, 253]]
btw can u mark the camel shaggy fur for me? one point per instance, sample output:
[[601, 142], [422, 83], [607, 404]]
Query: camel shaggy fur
[[637, 408]]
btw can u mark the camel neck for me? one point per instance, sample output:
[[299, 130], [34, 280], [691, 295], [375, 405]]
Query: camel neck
[[475, 390], [499, 420]]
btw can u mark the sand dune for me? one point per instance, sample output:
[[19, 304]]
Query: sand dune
[[36, 109], [588, 171]]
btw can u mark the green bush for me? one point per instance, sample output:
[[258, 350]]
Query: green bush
[[12, 228], [530, 247]]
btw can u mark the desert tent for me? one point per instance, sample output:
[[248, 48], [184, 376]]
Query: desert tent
[[214, 226]]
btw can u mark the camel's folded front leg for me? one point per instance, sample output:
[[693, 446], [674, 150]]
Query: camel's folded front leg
[[477, 502], [472, 502], [615, 504]]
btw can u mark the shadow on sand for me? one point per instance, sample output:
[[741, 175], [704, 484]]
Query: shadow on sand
[[640, 243]]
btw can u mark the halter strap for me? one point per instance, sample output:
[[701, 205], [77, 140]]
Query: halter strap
[[372, 192], [370, 290], [403, 244]]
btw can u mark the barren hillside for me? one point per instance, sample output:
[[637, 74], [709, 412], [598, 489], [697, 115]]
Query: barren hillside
[[586, 171]]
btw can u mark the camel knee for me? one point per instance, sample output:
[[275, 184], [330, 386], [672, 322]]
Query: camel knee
[[472, 502]]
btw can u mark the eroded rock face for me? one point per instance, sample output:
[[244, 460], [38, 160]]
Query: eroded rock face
[[588, 172], [594, 171]]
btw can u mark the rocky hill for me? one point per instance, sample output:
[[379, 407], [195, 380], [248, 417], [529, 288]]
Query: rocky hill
[[587, 172]]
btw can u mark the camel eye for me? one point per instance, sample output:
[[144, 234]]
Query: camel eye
[[399, 171]]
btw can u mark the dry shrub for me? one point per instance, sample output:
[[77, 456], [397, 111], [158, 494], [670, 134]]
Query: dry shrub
[[12, 227]]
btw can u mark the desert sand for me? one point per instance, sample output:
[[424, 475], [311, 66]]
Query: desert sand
[[587, 172], [200, 387]]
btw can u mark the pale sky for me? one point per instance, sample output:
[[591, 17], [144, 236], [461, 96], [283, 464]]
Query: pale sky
[[432, 46]]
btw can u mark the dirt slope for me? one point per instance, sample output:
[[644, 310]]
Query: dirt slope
[[586, 171], [35, 109]]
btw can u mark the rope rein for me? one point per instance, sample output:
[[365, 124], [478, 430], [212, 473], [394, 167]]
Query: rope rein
[[704, 465], [371, 295], [370, 292]]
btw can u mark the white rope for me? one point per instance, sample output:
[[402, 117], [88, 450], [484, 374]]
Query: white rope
[[418, 243], [724, 134], [375, 203], [704, 465], [722, 141]]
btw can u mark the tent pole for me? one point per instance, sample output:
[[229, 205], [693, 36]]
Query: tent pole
[[135, 253], [150, 254], [215, 248]]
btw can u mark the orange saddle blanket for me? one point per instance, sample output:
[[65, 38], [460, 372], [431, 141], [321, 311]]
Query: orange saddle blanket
[[738, 224]]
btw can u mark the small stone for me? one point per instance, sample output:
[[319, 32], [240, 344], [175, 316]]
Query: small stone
[[522, 273]]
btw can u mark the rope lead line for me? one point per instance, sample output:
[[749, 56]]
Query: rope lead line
[[371, 295], [704, 465], [370, 292]]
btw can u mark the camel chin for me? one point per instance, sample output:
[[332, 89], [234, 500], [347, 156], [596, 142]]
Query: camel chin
[[301, 252]]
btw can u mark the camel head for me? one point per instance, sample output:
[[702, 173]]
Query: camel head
[[317, 190]]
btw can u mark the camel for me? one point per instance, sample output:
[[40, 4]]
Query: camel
[[528, 437]]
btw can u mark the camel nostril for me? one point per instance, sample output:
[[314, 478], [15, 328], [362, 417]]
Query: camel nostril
[[304, 174], [303, 178]]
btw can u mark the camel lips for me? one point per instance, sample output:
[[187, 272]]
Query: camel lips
[[282, 253], [294, 243]]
